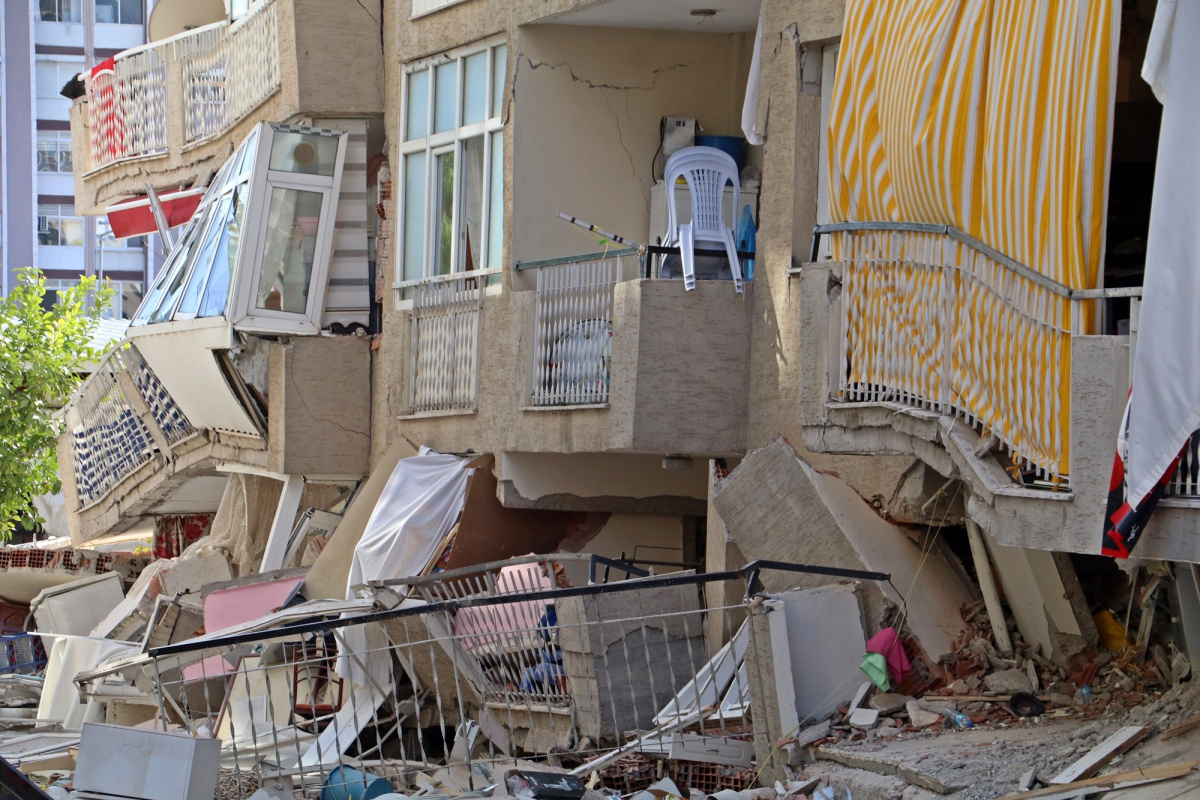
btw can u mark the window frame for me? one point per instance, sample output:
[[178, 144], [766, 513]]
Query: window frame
[[243, 312], [62, 142], [60, 215], [75, 63], [59, 5], [452, 140]]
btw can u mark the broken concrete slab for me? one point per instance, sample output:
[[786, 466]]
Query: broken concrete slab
[[1046, 599], [805, 643], [1008, 681], [186, 575], [777, 507], [889, 703], [863, 717], [919, 717]]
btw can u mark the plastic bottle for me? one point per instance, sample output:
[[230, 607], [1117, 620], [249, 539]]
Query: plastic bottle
[[959, 719], [1086, 694]]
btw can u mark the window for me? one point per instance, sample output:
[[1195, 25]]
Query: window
[[125, 298], [53, 75], [54, 151], [422, 7], [257, 249], [61, 10], [58, 226], [452, 218], [120, 12]]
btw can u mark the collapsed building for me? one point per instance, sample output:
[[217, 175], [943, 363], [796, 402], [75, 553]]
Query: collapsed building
[[447, 496]]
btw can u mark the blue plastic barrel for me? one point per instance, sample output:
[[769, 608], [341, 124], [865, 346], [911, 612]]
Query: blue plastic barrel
[[735, 146], [347, 783]]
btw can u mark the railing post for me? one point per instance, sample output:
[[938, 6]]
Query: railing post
[[176, 103]]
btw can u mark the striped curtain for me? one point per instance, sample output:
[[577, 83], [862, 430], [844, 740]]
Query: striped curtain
[[994, 117]]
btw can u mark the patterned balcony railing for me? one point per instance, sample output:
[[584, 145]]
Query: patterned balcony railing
[[110, 441], [110, 438], [128, 106], [573, 326], [222, 72], [228, 70], [447, 318]]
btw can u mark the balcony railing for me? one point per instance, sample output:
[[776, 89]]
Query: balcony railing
[[221, 72], [228, 70], [110, 438], [573, 327], [447, 318], [128, 106]]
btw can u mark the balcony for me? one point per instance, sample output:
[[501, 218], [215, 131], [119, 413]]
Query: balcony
[[597, 358], [923, 343], [172, 108], [168, 414]]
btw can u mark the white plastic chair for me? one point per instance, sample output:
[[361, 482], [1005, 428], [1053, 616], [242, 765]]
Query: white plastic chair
[[706, 171]]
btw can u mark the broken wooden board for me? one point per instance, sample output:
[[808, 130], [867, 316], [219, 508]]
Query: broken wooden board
[[883, 766], [1104, 783], [1181, 729], [1101, 754]]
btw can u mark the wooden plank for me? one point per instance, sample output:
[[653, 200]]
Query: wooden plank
[[1101, 754], [1181, 729], [1133, 777]]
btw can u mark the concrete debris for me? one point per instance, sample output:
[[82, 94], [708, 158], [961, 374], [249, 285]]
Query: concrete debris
[[1008, 681], [889, 703], [918, 716]]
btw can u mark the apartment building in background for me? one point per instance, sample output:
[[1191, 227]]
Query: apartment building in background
[[46, 43]]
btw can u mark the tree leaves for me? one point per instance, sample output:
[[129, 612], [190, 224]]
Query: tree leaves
[[42, 353]]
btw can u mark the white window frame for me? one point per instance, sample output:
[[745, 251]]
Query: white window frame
[[435, 144], [244, 312], [829, 55], [73, 63], [62, 142], [422, 7], [75, 6], [118, 20]]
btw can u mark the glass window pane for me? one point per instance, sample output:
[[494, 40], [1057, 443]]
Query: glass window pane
[[106, 11], [496, 202], [499, 66], [47, 157], [418, 105], [72, 232], [305, 153], [443, 240], [175, 270], [292, 221], [474, 88], [64, 158], [446, 76], [49, 10], [216, 294], [470, 207], [131, 12], [244, 157], [414, 215], [204, 260]]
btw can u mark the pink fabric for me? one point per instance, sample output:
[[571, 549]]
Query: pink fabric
[[887, 643]]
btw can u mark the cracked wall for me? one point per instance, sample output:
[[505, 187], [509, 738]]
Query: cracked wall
[[586, 123]]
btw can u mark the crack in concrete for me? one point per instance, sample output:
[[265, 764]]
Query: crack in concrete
[[605, 87], [303, 402]]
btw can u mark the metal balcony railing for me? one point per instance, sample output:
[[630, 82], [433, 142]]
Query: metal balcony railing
[[109, 435], [447, 318], [573, 327], [933, 319], [222, 72]]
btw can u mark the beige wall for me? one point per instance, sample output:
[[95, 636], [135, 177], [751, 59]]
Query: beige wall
[[586, 124]]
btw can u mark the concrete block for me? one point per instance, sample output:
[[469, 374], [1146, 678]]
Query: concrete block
[[775, 506], [191, 574]]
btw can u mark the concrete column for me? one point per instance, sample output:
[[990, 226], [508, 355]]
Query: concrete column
[[285, 517]]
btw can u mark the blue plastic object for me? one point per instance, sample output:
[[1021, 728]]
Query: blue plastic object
[[735, 146], [347, 783], [746, 235]]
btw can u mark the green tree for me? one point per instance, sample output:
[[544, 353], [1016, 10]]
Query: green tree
[[43, 348]]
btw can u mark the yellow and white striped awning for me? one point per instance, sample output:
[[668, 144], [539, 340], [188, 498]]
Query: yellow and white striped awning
[[993, 117]]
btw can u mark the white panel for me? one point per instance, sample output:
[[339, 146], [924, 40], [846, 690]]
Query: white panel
[[185, 361], [348, 293]]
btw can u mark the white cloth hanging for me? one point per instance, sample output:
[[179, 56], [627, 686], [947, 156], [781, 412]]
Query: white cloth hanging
[[750, 105], [1165, 402]]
